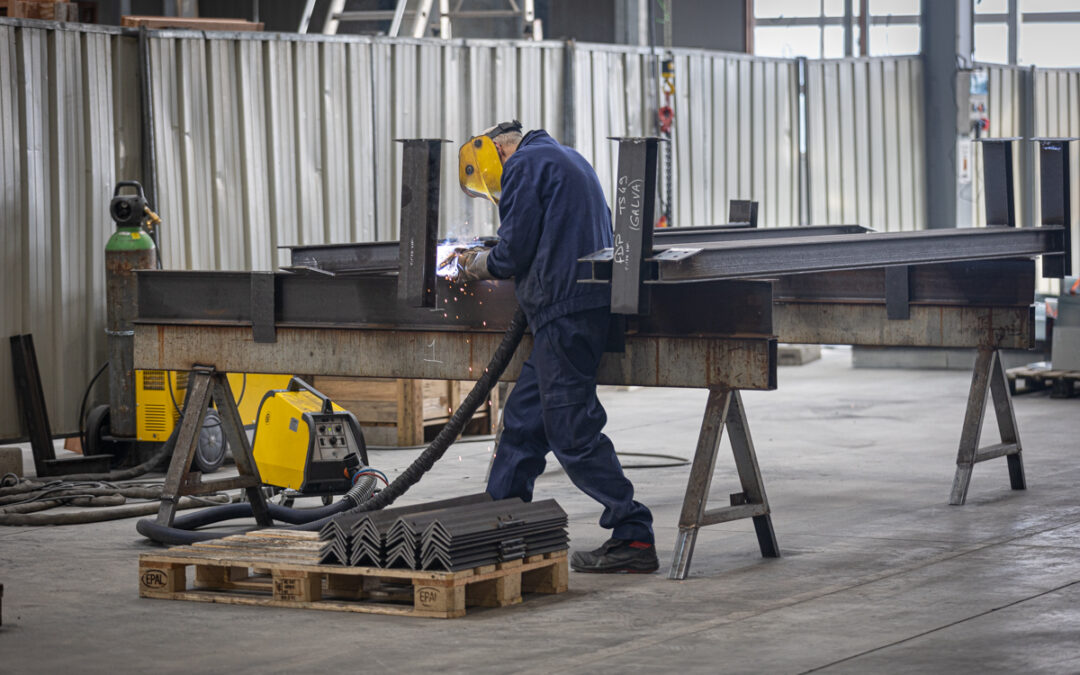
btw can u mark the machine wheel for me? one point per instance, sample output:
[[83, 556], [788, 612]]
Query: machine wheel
[[97, 427], [210, 450]]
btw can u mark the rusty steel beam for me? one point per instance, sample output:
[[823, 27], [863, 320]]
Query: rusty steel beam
[[928, 325], [698, 362]]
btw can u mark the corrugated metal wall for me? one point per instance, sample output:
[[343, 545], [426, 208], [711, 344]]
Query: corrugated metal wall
[[865, 141], [270, 140], [69, 125], [266, 140]]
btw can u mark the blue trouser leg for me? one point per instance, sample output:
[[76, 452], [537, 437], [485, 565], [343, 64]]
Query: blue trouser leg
[[519, 459], [554, 407]]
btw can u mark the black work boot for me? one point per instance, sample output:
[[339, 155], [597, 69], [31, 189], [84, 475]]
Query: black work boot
[[617, 555]]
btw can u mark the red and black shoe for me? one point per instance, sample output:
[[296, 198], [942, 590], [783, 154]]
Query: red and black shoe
[[615, 556]]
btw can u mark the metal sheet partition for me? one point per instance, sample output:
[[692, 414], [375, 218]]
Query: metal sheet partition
[[865, 140], [735, 134], [69, 125]]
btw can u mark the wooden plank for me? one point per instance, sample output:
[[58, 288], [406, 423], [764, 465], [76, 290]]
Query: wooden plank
[[410, 413], [156, 22]]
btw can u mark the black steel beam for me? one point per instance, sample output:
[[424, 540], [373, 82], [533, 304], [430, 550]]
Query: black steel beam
[[419, 228], [998, 181], [225, 298], [780, 257], [633, 211], [345, 258], [688, 236], [1055, 187], [986, 283]]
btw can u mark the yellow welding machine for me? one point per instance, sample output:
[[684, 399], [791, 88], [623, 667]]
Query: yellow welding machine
[[303, 441]]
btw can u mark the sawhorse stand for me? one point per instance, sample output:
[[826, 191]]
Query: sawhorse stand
[[724, 408], [988, 381], [205, 384]]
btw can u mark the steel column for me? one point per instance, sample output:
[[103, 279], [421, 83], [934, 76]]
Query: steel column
[[998, 181], [633, 213], [1054, 188], [419, 228]]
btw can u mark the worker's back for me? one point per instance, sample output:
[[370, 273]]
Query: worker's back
[[553, 212]]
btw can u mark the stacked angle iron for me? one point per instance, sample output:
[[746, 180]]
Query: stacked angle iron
[[448, 535], [359, 539]]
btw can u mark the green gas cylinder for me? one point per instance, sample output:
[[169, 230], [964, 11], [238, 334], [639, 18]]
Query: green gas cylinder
[[130, 248]]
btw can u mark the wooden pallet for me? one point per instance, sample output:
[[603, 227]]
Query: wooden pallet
[[1062, 383], [275, 568]]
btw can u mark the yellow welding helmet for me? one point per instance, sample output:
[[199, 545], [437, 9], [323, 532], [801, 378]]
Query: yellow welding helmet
[[479, 165]]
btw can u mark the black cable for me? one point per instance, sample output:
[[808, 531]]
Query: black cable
[[675, 460], [421, 465], [82, 406]]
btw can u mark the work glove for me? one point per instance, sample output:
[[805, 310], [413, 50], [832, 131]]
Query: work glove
[[472, 266]]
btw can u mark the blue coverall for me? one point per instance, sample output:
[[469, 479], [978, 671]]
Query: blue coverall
[[553, 212]]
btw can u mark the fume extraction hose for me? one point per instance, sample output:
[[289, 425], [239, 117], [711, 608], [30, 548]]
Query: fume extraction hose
[[313, 519]]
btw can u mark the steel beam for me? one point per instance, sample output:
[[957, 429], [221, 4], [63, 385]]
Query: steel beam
[[983, 283], [225, 298], [928, 325], [779, 257], [735, 362], [633, 211], [1054, 188], [419, 230], [688, 236], [332, 259], [998, 189]]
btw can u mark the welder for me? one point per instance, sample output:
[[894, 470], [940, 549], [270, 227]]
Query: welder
[[553, 212]]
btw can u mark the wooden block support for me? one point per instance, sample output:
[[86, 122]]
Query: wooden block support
[[434, 599], [297, 586], [552, 579], [161, 578], [500, 592]]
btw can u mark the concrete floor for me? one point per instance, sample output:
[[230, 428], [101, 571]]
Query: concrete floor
[[879, 575]]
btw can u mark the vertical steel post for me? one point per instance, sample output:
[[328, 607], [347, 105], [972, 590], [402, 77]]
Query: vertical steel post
[[633, 210], [998, 181], [419, 227], [1054, 198]]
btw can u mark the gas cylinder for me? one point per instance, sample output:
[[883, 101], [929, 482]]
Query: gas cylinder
[[130, 248]]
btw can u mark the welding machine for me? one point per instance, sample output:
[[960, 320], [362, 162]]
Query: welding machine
[[305, 442]]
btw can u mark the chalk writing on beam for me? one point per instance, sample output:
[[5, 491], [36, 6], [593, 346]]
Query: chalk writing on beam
[[432, 359]]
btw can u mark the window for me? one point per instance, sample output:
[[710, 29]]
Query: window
[[815, 28]]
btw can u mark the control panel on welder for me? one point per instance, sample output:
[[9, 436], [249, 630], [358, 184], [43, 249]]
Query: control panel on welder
[[333, 438]]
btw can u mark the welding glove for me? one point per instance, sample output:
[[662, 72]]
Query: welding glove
[[472, 266]]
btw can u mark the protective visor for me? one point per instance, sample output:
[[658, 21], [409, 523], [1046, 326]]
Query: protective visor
[[480, 168]]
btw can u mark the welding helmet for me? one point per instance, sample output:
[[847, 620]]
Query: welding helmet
[[479, 165]]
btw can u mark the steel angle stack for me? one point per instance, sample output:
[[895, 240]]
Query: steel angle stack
[[471, 531], [484, 536], [359, 539]]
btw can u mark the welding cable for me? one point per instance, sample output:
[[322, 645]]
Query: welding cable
[[82, 405], [98, 515], [118, 474], [674, 460], [182, 530]]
